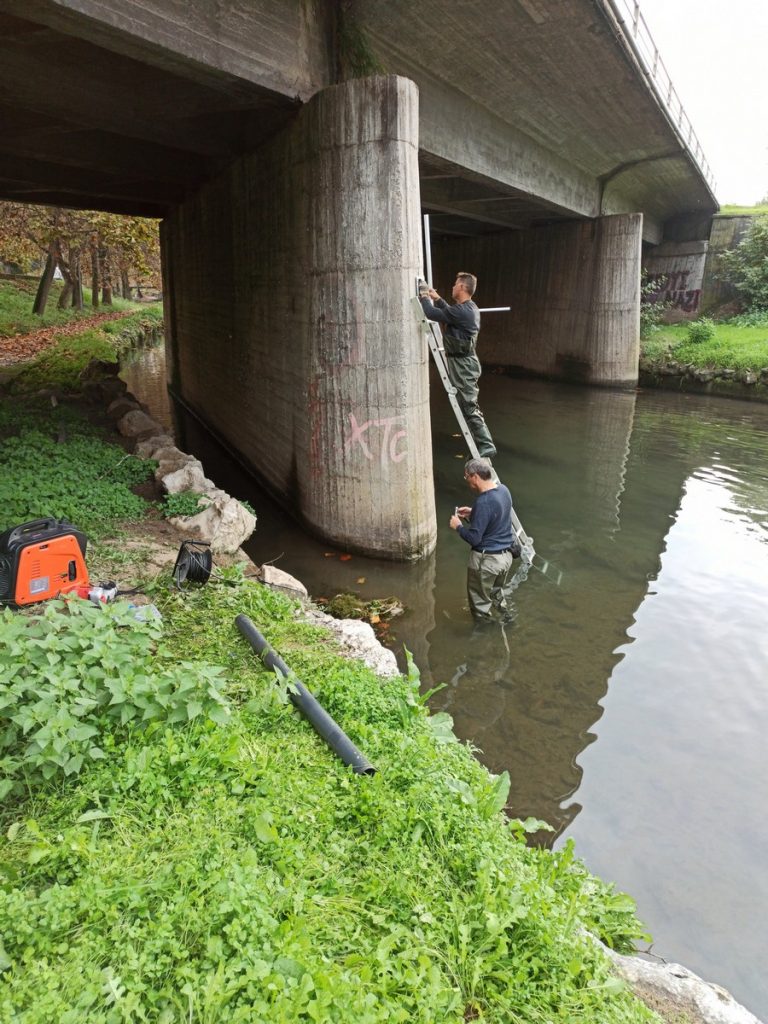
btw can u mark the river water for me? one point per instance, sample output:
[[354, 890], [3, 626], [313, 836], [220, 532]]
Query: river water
[[629, 698]]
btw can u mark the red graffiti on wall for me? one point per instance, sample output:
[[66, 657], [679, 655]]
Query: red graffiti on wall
[[673, 289], [389, 438]]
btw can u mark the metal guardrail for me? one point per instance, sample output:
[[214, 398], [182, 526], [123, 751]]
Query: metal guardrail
[[628, 14]]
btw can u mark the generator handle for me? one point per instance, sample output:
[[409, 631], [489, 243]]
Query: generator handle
[[34, 526]]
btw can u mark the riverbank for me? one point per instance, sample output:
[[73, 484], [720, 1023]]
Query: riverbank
[[732, 363]]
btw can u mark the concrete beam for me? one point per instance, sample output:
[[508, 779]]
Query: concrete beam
[[280, 46]]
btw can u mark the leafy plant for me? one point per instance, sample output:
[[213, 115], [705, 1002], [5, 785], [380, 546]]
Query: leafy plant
[[757, 318], [746, 266], [700, 330], [80, 478], [651, 313], [76, 674], [186, 503]]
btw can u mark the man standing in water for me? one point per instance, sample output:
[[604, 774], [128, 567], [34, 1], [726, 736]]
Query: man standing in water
[[462, 324], [492, 539]]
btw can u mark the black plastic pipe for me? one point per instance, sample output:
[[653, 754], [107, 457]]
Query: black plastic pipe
[[304, 702]]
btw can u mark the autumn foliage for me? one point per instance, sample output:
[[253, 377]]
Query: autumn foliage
[[113, 253]]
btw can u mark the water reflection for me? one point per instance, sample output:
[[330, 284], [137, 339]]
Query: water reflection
[[628, 703]]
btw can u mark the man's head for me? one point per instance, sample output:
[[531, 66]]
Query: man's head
[[464, 286], [478, 474]]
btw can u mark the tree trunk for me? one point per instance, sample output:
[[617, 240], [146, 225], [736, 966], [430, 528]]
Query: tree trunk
[[95, 275], [77, 278], [65, 299], [106, 276], [125, 283], [44, 288]]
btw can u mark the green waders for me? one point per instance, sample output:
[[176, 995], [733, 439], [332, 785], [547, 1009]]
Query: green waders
[[464, 372], [488, 577]]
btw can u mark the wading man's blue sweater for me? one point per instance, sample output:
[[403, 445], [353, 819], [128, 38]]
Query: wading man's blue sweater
[[490, 524]]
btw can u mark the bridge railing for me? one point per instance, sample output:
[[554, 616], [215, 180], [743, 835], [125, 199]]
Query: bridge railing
[[647, 52]]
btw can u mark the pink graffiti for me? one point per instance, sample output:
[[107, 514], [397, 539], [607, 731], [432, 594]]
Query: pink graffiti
[[389, 440]]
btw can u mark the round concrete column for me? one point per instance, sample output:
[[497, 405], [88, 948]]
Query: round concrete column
[[613, 332], [366, 482]]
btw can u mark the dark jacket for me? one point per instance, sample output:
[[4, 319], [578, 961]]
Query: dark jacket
[[462, 324]]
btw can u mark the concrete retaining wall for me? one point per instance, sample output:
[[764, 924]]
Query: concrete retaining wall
[[677, 268], [574, 290], [290, 325], [726, 233]]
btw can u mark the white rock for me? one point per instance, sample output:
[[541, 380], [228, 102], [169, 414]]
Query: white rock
[[701, 1001], [188, 477], [137, 422], [224, 524], [277, 578], [358, 640]]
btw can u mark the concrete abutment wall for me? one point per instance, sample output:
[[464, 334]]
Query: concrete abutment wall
[[293, 334], [574, 289]]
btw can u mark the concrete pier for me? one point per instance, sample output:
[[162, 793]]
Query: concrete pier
[[292, 329], [574, 290]]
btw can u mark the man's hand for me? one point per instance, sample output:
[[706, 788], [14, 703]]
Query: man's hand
[[464, 511], [433, 294], [454, 523]]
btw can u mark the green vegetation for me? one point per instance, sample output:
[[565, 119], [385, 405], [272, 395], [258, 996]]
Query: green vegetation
[[60, 365], [238, 872], [700, 330], [732, 347], [184, 504], [651, 313], [52, 463], [76, 676], [746, 266], [759, 210], [16, 316]]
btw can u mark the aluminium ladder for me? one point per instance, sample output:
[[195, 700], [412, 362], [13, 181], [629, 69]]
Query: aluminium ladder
[[435, 340]]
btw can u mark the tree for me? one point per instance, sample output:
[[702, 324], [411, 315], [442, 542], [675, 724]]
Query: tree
[[116, 245], [746, 266]]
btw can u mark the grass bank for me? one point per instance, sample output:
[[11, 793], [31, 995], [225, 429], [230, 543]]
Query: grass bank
[[179, 846], [16, 316], [732, 347]]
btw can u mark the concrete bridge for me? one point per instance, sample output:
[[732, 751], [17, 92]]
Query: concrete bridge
[[290, 147]]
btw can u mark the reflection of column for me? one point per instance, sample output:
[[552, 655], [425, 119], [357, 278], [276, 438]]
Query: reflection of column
[[608, 429]]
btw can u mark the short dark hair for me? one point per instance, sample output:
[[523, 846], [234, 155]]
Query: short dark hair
[[478, 467], [468, 280]]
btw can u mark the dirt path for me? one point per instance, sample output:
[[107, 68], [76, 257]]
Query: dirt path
[[19, 348]]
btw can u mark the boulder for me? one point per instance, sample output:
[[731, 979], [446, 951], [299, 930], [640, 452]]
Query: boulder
[[749, 377], [224, 524], [122, 405], [677, 993], [146, 449], [187, 477], [136, 422], [357, 640], [283, 580]]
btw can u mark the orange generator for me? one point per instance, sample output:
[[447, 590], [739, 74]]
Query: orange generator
[[40, 560]]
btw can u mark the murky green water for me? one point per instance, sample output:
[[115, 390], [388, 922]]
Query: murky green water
[[630, 702]]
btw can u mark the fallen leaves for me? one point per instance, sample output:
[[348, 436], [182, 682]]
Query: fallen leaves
[[20, 348]]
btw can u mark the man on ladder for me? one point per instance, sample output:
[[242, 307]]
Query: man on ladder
[[462, 324]]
